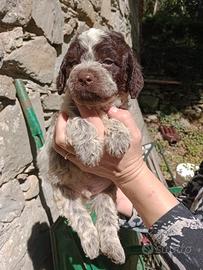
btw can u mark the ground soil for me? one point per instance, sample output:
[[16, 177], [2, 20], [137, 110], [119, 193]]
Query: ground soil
[[188, 149]]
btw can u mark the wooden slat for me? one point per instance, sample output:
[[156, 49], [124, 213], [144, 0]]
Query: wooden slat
[[169, 82]]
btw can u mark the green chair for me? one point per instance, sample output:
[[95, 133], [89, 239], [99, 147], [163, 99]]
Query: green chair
[[66, 249], [68, 254]]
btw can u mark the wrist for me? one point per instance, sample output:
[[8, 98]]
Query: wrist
[[130, 173], [149, 196]]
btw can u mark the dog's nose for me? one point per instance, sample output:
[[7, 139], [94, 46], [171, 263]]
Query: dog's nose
[[85, 77]]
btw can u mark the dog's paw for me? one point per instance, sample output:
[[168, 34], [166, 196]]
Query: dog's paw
[[117, 139], [90, 152], [82, 135], [90, 245], [113, 250]]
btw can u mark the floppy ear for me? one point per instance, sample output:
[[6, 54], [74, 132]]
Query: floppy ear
[[131, 68], [135, 79], [71, 58], [62, 77]]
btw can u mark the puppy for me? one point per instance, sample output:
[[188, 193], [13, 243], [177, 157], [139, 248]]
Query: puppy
[[98, 71]]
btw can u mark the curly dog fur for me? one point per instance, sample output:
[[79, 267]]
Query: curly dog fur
[[98, 70]]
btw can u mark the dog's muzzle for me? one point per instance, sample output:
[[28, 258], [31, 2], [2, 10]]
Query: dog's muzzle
[[90, 83]]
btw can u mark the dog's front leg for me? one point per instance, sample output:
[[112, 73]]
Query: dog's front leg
[[81, 222], [117, 138], [82, 135], [107, 228]]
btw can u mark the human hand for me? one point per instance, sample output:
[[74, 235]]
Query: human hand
[[123, 204], [130, 173], [119, 170]]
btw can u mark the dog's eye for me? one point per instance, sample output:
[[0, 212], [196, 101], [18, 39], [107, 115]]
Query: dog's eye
[[108, 61]]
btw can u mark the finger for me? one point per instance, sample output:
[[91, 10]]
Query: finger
[[60, 130], [67, 148], [59, 150], [93, 117], [125, 117], [60, 142]]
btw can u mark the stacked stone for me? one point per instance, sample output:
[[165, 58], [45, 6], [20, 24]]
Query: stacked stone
[[162, 97], [34, 36]]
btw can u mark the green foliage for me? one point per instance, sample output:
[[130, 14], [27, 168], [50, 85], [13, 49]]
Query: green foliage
[[172, 48], [187, 8], [188, 149], [173, 39], [193, 142], [172, 119]]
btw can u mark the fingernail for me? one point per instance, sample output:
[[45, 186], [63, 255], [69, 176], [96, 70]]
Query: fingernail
[[113, 109]]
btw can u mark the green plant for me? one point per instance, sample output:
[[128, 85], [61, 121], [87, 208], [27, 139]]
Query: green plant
[[172, 39], [173, 120], [188, 149]]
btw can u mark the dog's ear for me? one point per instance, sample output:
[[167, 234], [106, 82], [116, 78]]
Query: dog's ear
[[62, 77], [135, 80], [71, 58]]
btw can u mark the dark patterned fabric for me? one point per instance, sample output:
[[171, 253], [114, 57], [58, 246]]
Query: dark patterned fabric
[[189, 192], [192, 194], [179, 237], [135, 223]]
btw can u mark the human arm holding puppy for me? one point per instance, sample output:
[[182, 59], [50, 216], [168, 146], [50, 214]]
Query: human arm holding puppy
[[168, 220], [130, 173]]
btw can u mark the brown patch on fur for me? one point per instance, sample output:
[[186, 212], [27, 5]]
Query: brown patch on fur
[[124, 69], [115, 56], [71, 59]]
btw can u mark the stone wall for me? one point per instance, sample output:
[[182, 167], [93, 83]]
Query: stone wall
[[34, 36], [172, 96]]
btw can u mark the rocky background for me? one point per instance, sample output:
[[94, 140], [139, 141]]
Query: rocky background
[[34, 36]]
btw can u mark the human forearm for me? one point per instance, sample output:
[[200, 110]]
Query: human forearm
[[149, 196]]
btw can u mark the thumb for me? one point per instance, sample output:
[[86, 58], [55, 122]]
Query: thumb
[[60, 130], [125, 117]]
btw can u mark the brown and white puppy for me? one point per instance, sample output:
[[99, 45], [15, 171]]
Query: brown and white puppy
[[98, 70]]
